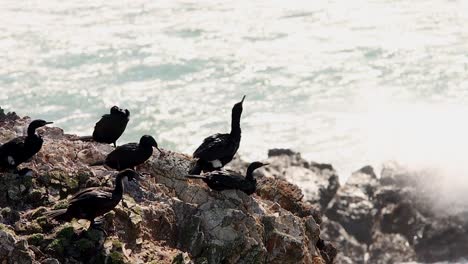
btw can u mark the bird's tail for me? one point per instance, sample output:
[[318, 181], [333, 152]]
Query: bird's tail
[[60, 215], [97, 163], [195, 177], [84, 138], [197, 169]]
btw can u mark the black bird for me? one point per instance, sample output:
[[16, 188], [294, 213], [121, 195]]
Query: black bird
[[130, 155], [21, 149], [227, 180], [110, 127], [219, 149], [93, 202]]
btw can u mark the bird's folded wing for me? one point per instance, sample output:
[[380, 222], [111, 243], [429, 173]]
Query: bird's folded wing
[[214, 147], [91, 195], [124, 152], [228, 179]]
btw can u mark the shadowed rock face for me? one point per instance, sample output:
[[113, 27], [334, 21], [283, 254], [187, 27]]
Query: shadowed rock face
[[391, 219], [369, 219], [165, 218], [10, 116], [353, 208], [355, 251]]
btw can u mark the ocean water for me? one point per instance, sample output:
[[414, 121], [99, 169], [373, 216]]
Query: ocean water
[[344, 82]]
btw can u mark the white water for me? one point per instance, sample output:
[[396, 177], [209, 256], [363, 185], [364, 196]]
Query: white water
[[345, 82]]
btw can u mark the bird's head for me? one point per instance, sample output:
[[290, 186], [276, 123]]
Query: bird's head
[[255, 165], [147, 140], [237, 108], [37, 124], [115, 110]]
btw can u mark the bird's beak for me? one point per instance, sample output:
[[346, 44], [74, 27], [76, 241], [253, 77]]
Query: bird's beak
[[266, 164], [48, 123], [242, 101], [160, 151]]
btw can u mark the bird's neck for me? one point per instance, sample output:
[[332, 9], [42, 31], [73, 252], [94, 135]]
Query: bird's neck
[[235, 126], [146, 148], [249, 176], [119, 187], [31, 132]]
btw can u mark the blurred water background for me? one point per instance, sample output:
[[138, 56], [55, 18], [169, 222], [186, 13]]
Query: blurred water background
[[344, 82]]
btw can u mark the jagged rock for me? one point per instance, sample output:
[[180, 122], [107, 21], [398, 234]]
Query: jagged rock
[[10, 116], [282, 248], [280, 152], [353, 206], [9, 216], [217, 226], [317, 182], [7, 244], [164, 218], [408, 206], [76, 245], [403, 218], [443, 239], [328, 252], [322, 166], [50, 261], [350, 250], [285, 158], [390, 248], [16, 190], [14, 250], [287, 195]]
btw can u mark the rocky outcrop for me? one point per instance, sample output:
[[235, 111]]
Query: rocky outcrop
[[300, 213], [317, 182], [164, 218], [391, 219], [353, 208], [386, 218]]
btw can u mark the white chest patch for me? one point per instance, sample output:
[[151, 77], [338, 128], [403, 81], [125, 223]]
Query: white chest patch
[[216, 163], [11, 160]]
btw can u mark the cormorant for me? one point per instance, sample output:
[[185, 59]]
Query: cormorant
[[21, 149], [130, 155], [227, 180], [219, 149], [110, 127], [93, 202]]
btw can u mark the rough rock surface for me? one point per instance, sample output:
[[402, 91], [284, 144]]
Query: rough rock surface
[[352, 206], [371, 219], [391, 219], [164, 218]]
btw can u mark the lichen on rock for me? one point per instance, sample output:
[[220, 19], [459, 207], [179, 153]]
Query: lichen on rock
[[164, 218]]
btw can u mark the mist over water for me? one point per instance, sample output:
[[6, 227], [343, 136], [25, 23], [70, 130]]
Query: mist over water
[[344, 82]]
